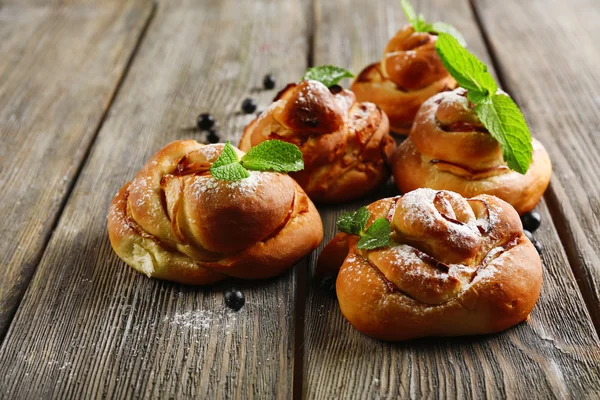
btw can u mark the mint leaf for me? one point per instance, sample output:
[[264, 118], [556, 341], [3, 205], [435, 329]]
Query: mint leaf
[[505, 122], [421, 25], [274, 155], [229, 172], [378, 235], [442, 27], [227, 167], [469, 72], [353, 222], [410, 13], [328, 75], [228, 156]]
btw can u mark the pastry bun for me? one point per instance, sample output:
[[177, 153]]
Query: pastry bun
[[409, 73], [456, 266], [174, 221], [449, 149], [345, 144]]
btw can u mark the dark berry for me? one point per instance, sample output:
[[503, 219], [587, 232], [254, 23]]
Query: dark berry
[[335, 89], [205, 121], [234, 299], [538, 246], [213, 136], [269, 81], [531, 221], [249, 105], [529, 235], [328, 284]]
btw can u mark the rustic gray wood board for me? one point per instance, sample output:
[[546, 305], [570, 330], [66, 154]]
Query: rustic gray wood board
[[59, 69], [550, 64], [555, 354], [89, 326]]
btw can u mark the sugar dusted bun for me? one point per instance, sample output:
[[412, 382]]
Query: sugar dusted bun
[[409, 73], [450, 149], [345, 144], [457, 267], [174, 221]]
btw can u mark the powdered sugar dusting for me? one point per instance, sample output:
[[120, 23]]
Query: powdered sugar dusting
[[198, 319], [418, 208], [242, 187]]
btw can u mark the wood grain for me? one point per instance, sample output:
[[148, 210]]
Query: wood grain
[[59, 69], [561, 50], [89, 326], [556, 354]]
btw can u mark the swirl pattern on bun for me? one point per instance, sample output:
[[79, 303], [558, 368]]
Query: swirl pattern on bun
[[409, 73], [450, 149], [174, 221], [456, 266], [346, 145]]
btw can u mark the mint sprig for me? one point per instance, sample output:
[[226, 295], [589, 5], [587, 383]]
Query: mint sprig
[[419, 25], [376, 236], [496, 110], [272, 155], [328, 75]]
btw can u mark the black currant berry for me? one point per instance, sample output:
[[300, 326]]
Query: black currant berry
[[213, 136], [531, 221], [205, 121], [529, 235], [538, 246], [269, 81], [249, 105], [328, 284], [234, 299]]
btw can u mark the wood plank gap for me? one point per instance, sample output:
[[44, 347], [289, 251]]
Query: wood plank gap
[[48, 234], [300, 297], [558, 217]]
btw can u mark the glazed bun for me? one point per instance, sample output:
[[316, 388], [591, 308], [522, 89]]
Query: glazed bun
[[450, 149], [174, 221], [457, 266], [345, 144], [409, 73]]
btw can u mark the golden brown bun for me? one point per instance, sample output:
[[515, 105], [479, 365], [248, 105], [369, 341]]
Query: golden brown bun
[[457, 267], [174, 221], [449, 149], [409, 73], [345, 144]]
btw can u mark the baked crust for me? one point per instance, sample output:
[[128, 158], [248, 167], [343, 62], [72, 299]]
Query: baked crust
[[174, 221], [449, 149], [346, 145], [409, 73], [457, 267]]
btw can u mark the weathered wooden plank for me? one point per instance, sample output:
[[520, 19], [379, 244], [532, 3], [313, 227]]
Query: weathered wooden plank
[[555, 354], [551, 67], [59, 69], [89, 326]]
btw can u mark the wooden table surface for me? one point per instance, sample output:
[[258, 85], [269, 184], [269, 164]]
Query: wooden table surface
[[90, 89]]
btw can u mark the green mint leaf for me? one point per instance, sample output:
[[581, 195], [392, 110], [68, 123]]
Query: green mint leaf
[[422, 26], [442, 27], [227, 166], [353, 223], [378, 235], [477, 97], [505, 122], [228, 156], [274, 155], [328, 75], [410, 13], [469, 72], [229, 172]]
